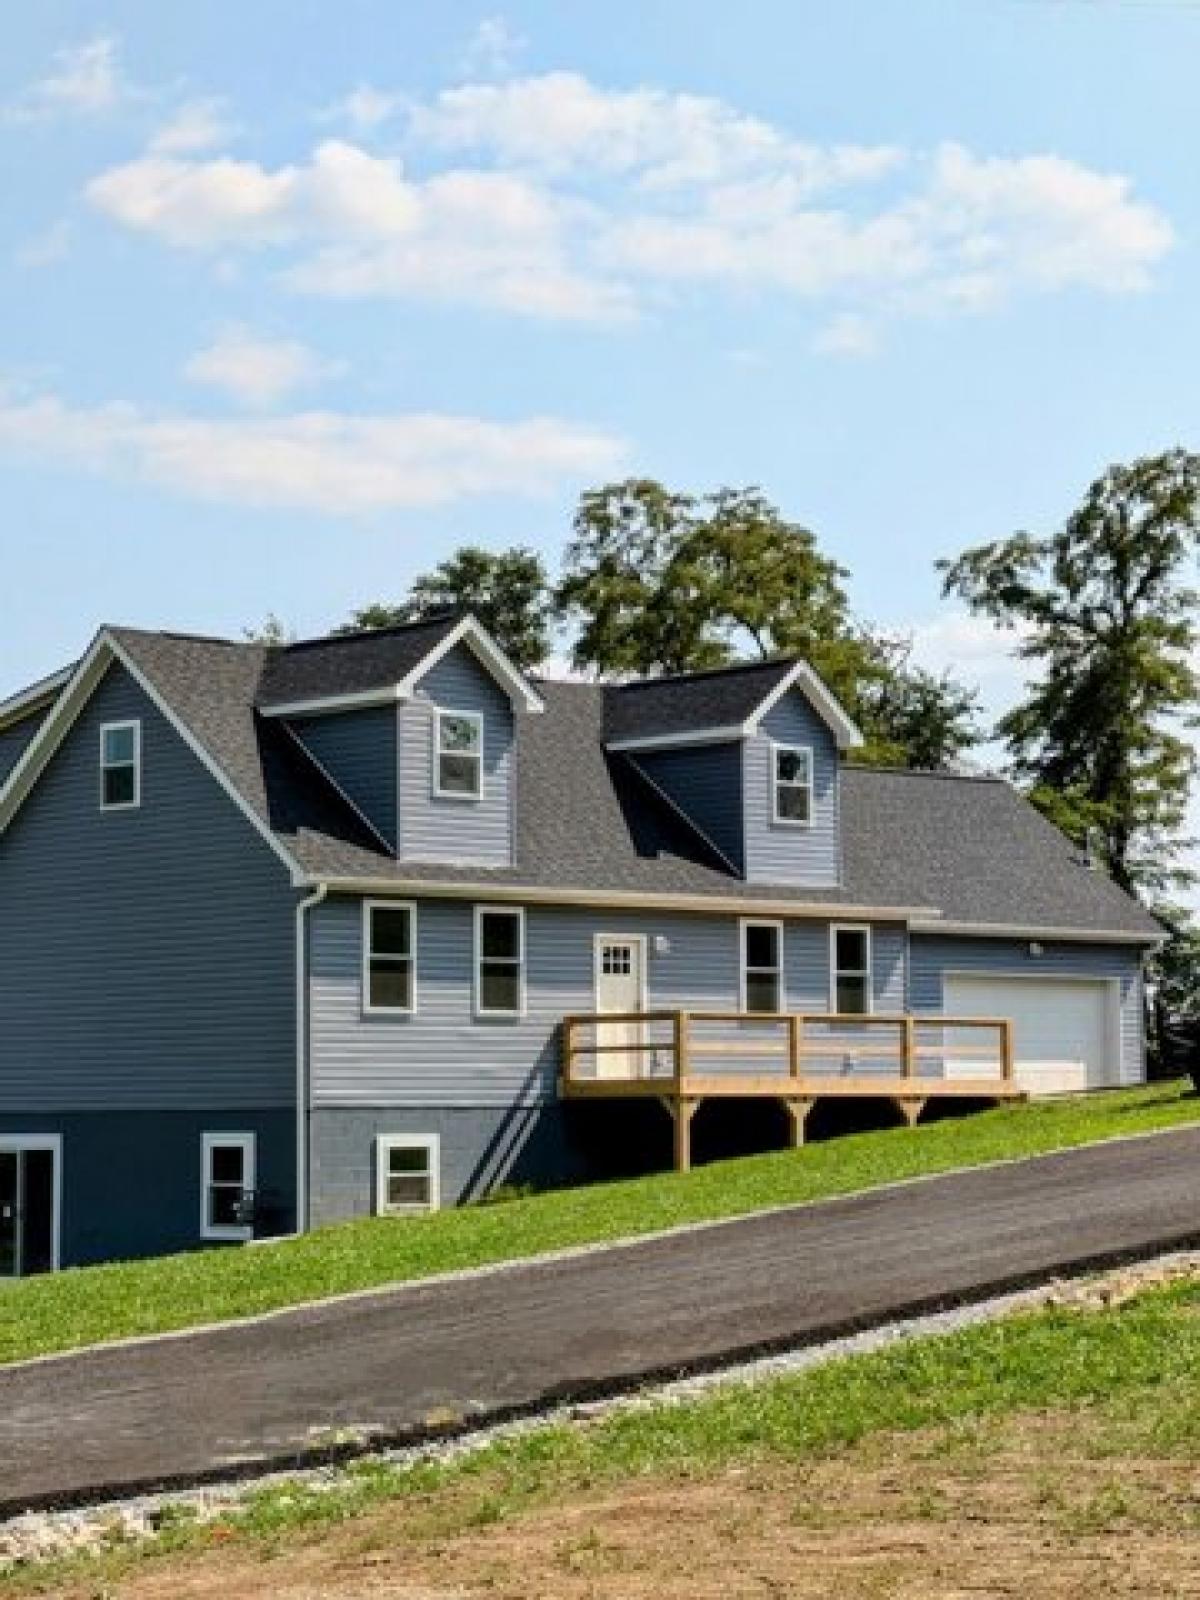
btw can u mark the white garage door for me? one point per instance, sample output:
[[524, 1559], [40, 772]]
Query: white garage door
[[1062, 1031]]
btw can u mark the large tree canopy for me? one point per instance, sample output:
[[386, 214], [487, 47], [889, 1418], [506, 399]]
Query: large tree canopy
[[1108, 621], [507, 590]]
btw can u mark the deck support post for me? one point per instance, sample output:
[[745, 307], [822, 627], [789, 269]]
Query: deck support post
[[682, 1110], [797, 1111], [911, 1110]]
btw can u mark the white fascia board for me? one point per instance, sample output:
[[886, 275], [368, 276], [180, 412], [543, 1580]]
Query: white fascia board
[[632, 899], [845, 732], [665, 741], [328, 705], [1020, 930], [490, 656], [19, 706]]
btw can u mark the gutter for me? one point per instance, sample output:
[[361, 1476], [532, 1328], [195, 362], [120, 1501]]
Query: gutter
[[302, 1096], [1016, 930]]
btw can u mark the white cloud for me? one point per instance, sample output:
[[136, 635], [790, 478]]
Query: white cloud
[[197, 125], [363, 109], [972, 648], [258, 371], [585, 203], [320, 461], [492, 49], [847, 334], [85, 81]]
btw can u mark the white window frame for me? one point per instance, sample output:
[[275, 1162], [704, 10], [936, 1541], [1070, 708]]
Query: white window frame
[[852, 972], [128, 724], [210, 1141], [518, 912], [805, 750], [744, 927], [385, 1143], [476, 717], [368, 907], [21, 1143]]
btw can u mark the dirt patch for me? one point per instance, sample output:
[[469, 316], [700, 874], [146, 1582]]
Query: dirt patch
[[1033, 1507]]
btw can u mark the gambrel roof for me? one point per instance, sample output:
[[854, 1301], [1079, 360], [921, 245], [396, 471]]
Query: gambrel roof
[[934, 849]]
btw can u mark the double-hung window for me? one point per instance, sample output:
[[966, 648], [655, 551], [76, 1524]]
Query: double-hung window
[[762, 966], [458, 755], [792, 784], [850, 966], [120, 766], [499, 961], [406, 1174], [227, 1186], [389, 956]]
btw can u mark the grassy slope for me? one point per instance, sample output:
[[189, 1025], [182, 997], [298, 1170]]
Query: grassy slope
[[41, 1315], [1133, 1373]]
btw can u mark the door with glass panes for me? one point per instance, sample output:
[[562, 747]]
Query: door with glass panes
[[28, 1225]]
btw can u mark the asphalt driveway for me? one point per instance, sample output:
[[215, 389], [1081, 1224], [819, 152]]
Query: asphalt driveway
[[388, 1365]]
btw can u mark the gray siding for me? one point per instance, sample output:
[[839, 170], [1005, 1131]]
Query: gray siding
[[131, 1181], [15, 740], [706, 784], [358, 751], [458, 831], [931, 957], [444, 1057], [146, 956], [777, 853]]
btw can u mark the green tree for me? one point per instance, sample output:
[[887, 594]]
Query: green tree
[[507, 590], [269, 631], [1109, 624], [660, 582]]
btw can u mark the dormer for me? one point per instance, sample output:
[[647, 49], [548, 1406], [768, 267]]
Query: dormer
[[750, 756], [417, 727]]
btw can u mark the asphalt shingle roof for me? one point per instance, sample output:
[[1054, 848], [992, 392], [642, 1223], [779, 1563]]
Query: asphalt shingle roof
[[322, 668], [970, 849], [718, 699]]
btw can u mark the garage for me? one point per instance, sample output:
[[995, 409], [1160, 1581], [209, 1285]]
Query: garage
[[1064, 1029]]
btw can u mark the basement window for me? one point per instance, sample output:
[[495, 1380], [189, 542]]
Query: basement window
[[458, 759], [227, 1178], [407, 1179], [120, 766]]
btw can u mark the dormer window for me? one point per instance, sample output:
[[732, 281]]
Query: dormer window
[[120, 766], [458, 755], [793, 785]]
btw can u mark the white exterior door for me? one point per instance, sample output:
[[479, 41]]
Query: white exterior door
[[620, 988], [1064, 1032]]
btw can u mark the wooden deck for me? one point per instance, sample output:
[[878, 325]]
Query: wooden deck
[[683, 1058]]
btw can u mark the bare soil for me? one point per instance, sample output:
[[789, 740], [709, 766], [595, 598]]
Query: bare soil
[[1039, 1507]]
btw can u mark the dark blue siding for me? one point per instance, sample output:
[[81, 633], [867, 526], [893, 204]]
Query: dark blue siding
[[146, 956], [15, 740], [706, 784], [358, 751]]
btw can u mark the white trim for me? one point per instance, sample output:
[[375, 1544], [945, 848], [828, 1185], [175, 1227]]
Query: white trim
[[20, 1144], [127, 724], [26, 702], [210, 1140], [385, 1143], [303, 907], [779, 748], [330, 705], [632, 899], [845, 731], [368, 906], [479, 1008], [601, 939], [745, 923], [917, 923], [440, 713], [103, 650], [489, 654], [730, 734], [852, 972]]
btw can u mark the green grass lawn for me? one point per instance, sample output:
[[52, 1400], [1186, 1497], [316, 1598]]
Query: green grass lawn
[[71, 1309], [1121, 1383]]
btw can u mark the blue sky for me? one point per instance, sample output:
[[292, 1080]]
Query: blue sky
[[298, 296]]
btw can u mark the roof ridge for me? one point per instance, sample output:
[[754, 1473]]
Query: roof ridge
[[434, 619], [942, 773], [728, 669]]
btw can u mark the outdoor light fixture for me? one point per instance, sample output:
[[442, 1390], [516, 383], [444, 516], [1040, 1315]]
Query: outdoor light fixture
[[1035, 949], [662, 945]]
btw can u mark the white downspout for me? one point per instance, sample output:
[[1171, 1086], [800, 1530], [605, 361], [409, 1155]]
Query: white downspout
[[302, 1096]]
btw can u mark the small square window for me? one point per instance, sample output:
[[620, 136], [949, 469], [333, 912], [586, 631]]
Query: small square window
[[120, 766], [407, 1180], [458, 757]]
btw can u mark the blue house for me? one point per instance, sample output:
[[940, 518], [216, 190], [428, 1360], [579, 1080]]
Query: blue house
[[297, 933]]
